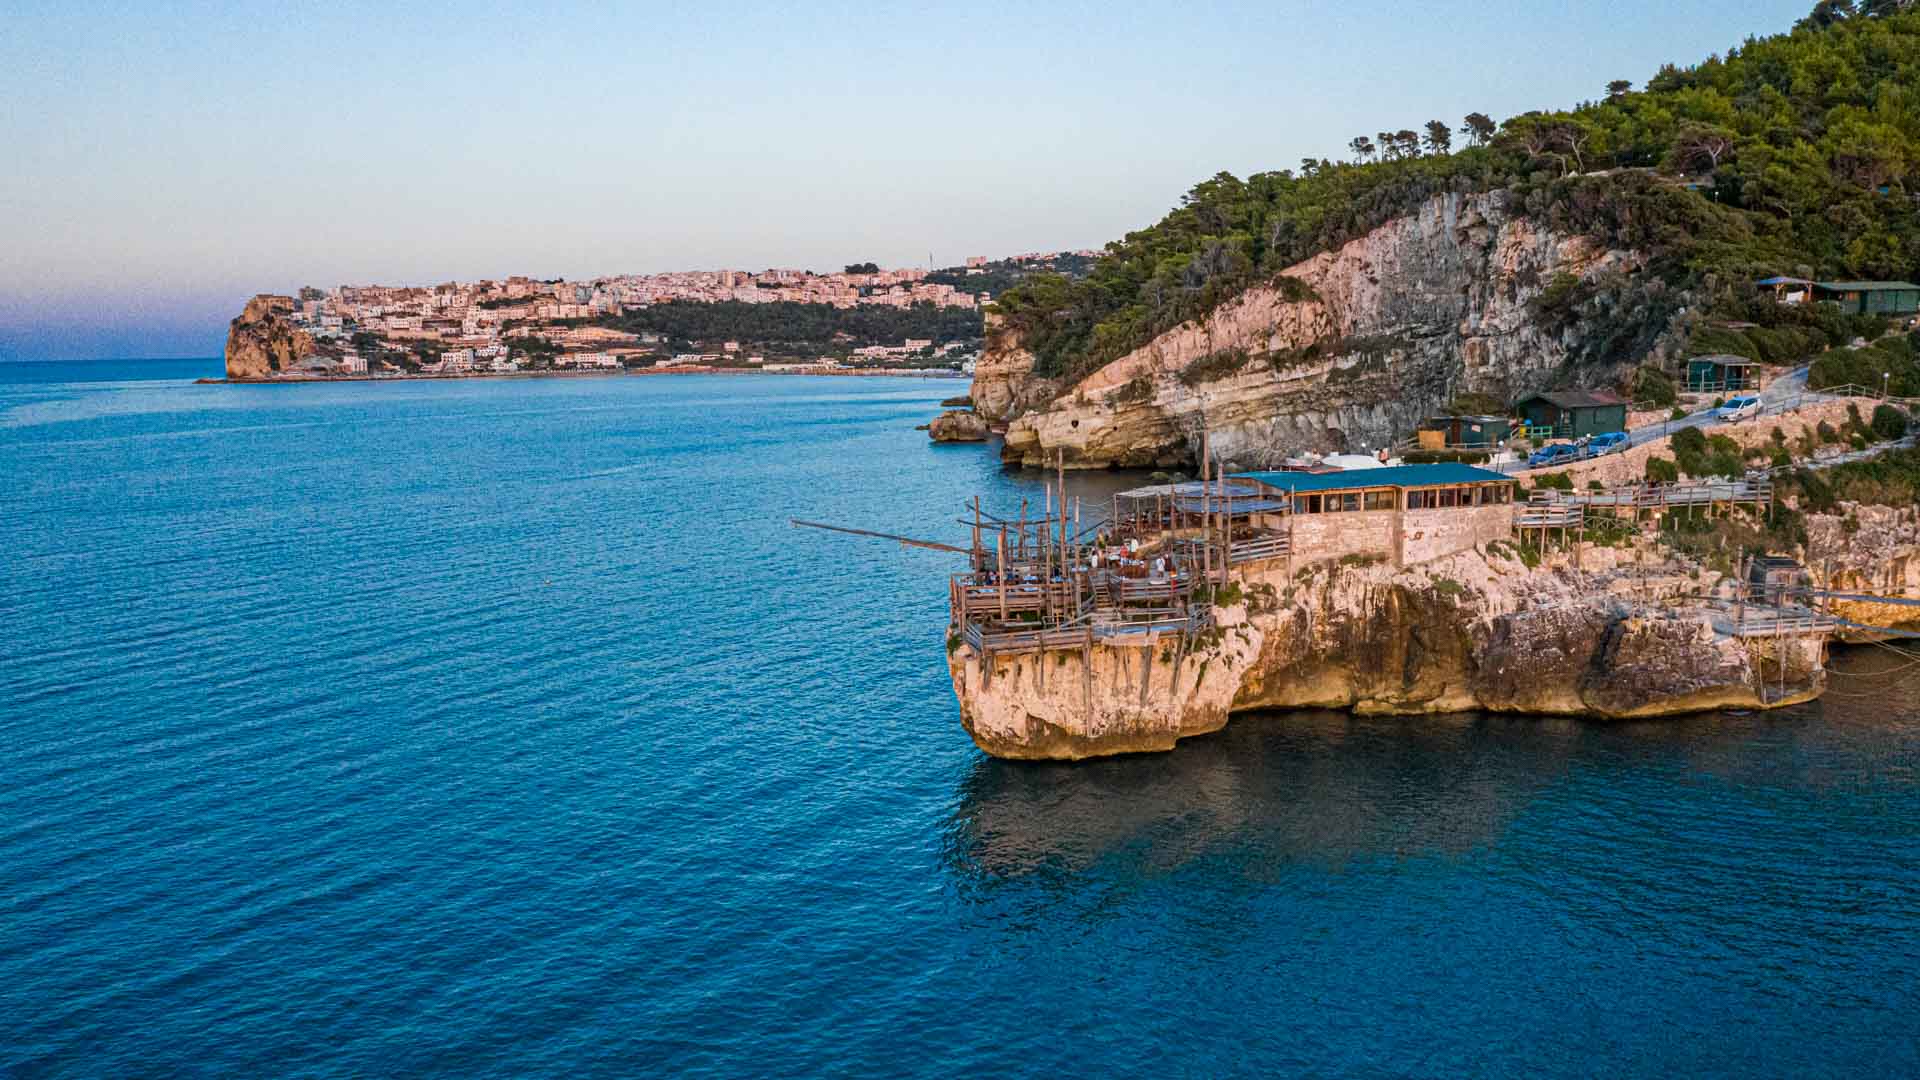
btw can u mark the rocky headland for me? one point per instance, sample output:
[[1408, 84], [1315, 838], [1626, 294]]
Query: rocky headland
[[1348, 349], [1630, 630], [263, 342]]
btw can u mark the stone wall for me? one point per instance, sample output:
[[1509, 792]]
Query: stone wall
[[1335, 536], [1402, 537], [1432, 534]]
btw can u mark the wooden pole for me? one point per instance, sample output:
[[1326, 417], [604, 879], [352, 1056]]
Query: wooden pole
[[979, 557], [1206, 510], [1000, 553], [1225, 504], [1061, 463], [1076, 528], [908, 540]]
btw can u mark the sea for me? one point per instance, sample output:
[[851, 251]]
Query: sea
[[509, 728]]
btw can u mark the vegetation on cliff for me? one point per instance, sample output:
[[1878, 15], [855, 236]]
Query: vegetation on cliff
[[1794, 154], [1891, 365], [808, 327]]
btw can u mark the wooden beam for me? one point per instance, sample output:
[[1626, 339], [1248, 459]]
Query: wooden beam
[[931, 545]]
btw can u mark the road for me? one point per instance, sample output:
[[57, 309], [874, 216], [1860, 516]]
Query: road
[[1789, 391]]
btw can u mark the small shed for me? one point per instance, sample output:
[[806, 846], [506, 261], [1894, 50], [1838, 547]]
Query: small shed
[[1772, 578], [1474, 432], [1870, 297], [1709, 374], [1571, 414]]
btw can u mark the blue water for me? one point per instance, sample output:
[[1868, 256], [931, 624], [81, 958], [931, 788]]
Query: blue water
[[507, 729]]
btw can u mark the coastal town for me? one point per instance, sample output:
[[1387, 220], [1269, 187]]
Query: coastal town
[[860, 320]]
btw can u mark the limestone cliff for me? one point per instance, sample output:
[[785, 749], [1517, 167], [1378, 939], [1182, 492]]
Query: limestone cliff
[[1867, 550], [1004, 385], [1374, 337], [262, 342], [1477, 630]]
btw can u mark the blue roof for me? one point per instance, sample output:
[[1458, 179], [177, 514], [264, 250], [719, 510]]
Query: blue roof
[[1400, 476]]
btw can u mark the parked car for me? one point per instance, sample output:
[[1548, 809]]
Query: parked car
[[1557, 454], [1739, 408], [1611, 443]]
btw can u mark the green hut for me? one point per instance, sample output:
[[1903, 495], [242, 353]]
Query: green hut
[[1570, 414], [1719, 374], [1870, 297]]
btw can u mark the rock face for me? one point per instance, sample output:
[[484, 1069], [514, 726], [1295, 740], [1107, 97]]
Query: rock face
[[958, 425], [262, 342], [1868, 550], [1397, 322], [1004, 385], [1473, 631]]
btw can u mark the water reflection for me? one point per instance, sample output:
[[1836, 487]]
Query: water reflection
[[1320, 786], [1327, 789]]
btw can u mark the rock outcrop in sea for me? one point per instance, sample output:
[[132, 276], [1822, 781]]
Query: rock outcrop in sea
[[262, 342], [1374, 337], [958, 425]]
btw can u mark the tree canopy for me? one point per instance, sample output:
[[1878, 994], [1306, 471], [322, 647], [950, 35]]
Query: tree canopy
[[1797, 153]]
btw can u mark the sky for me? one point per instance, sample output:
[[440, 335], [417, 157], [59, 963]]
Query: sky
[[160, 163]]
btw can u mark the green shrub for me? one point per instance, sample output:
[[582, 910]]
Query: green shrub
[[1827, 432], [1889, 423], [1689, 441], [1653, 386], [1889, 479], [1678, 413], [1476, 405], [1889, 363], [1216, 365], [1138, 389], [1662, 470], [1557, 481]]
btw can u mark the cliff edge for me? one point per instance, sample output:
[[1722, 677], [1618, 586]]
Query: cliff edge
[[262, 342], [1347, 350], [1618, 630]]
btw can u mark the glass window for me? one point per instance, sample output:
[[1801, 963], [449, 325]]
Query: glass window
[[1350, 502], [1379, 500]]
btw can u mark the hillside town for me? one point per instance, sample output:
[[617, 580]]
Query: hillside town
[[524, 324]]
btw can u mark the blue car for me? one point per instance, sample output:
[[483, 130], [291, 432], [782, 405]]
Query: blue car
[[1611, 443], [1557, 454]]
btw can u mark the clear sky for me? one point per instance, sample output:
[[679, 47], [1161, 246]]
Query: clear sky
[[164, 162]]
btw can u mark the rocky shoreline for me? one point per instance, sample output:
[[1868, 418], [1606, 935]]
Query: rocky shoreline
[[1607, 632]]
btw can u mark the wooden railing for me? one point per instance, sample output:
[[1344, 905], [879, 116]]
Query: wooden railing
[[1265, 546], [1754, 489]]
